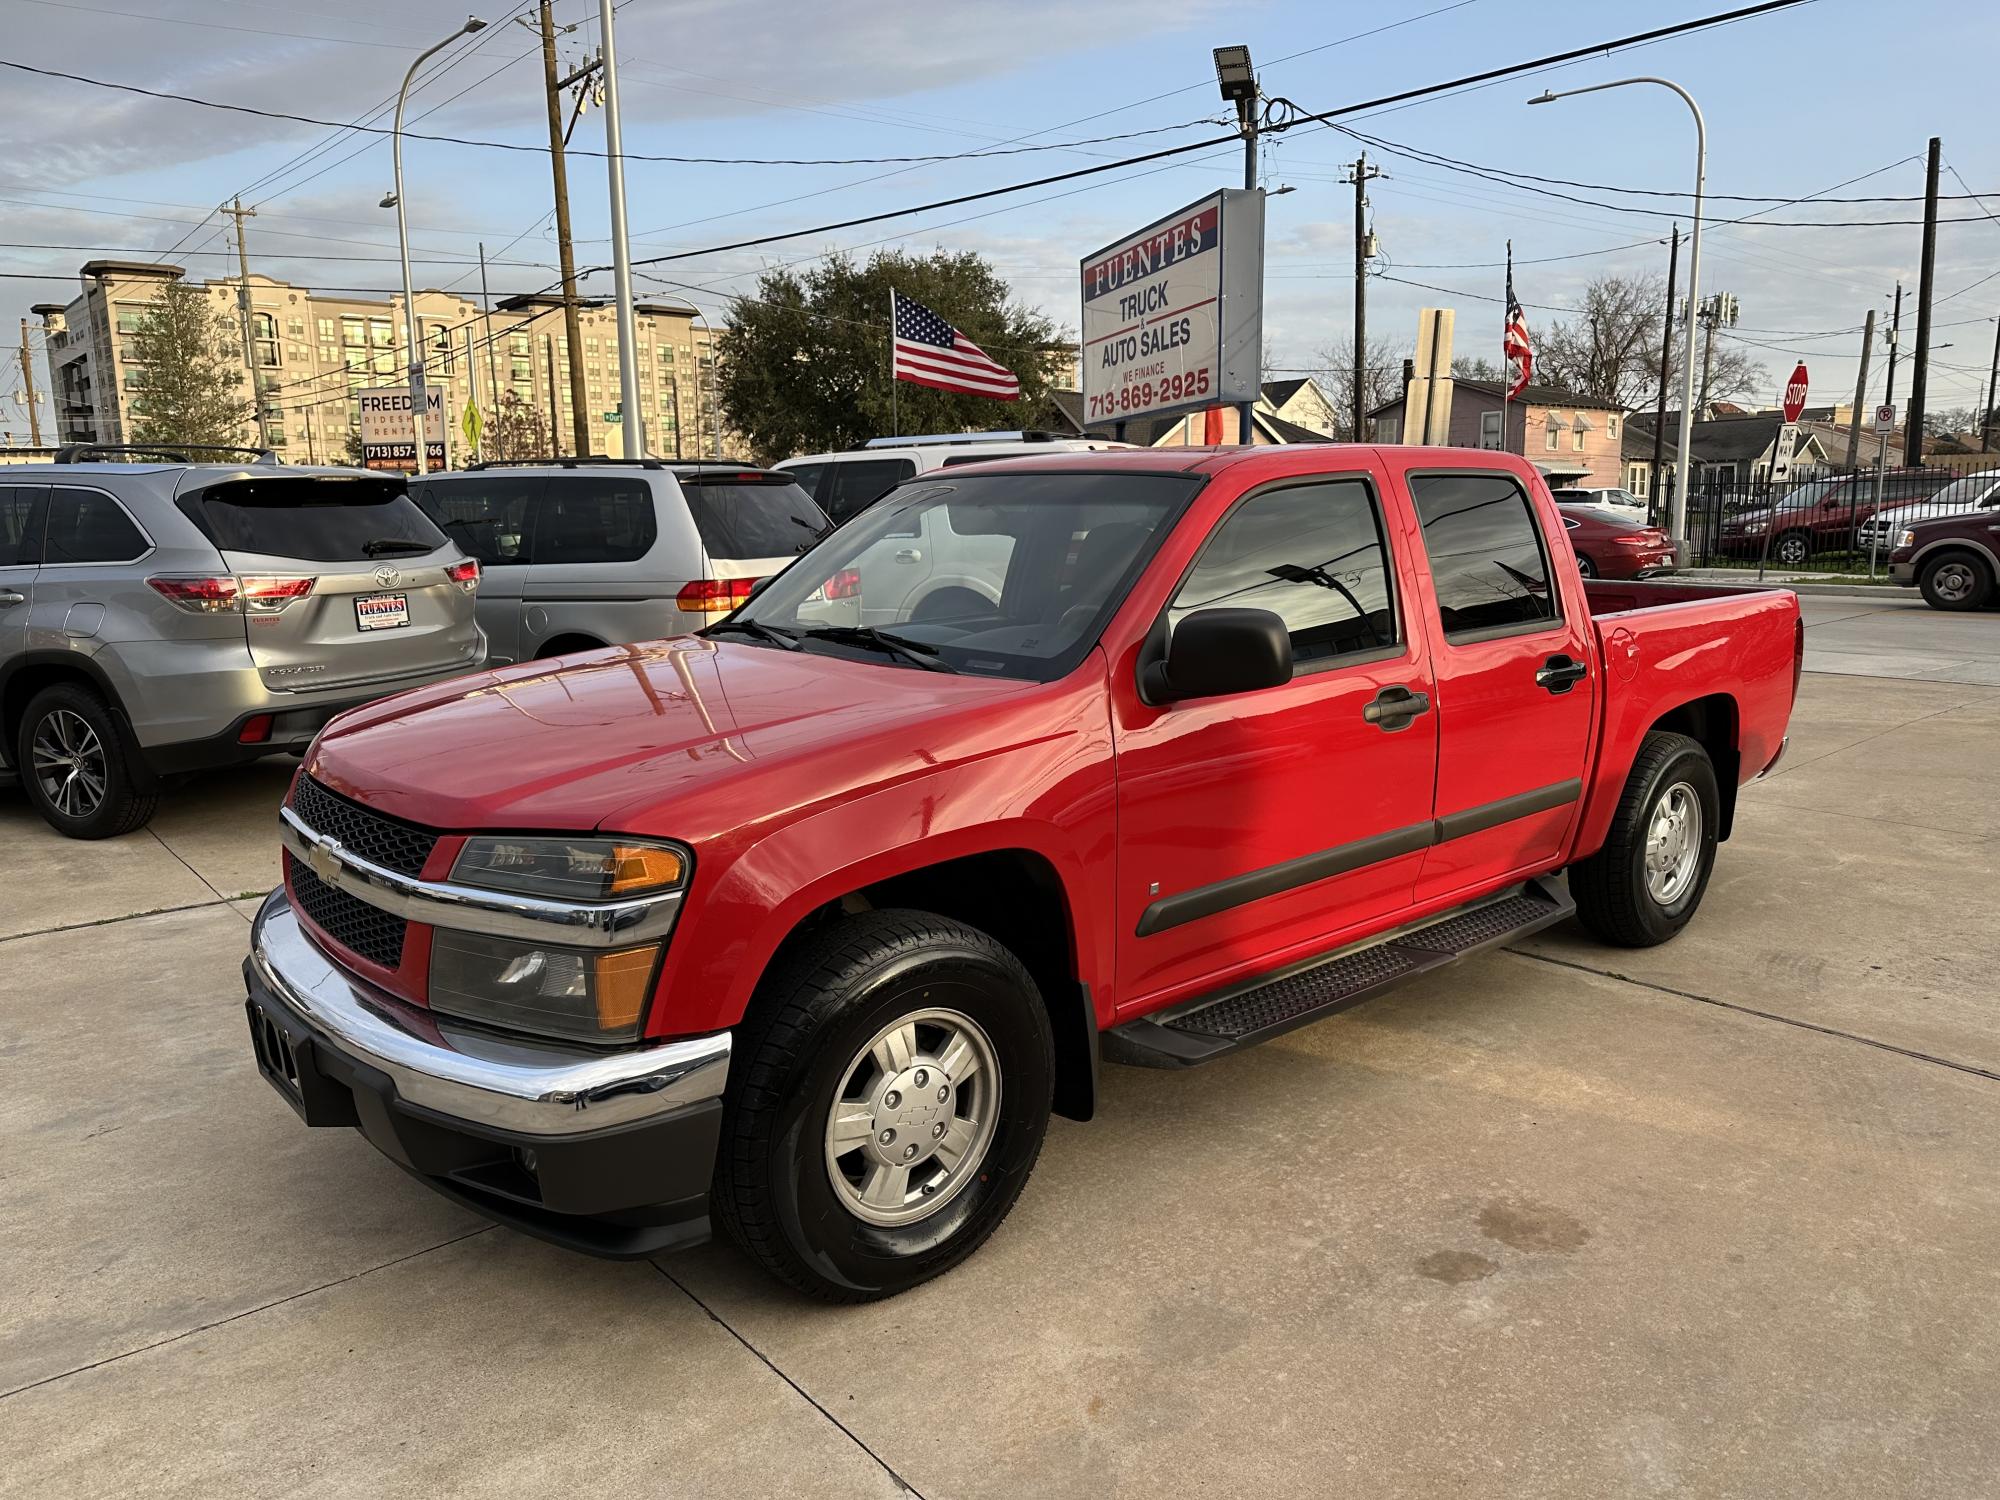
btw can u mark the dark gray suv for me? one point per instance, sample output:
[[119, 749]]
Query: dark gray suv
[[163, 617]]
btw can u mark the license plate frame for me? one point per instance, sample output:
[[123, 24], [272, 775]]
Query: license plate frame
[[393, 614]]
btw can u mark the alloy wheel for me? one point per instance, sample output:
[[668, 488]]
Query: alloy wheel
[[1673, 844], [1953, 581], [69, 764]]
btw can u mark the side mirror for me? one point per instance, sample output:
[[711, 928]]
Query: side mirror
[[1217, 651]]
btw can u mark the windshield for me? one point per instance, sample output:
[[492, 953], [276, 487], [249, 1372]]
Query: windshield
[[1002, 575], [1966, 492]]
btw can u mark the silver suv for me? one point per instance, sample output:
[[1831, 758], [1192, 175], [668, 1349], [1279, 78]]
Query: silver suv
[[584, 552], [164, 617]]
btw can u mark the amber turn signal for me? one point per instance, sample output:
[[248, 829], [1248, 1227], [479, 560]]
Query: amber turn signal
[[643, 867], [622, 982]]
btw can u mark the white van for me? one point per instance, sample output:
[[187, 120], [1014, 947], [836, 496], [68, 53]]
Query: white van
[[845, 484]]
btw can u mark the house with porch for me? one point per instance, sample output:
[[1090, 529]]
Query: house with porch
[[1727, 452]]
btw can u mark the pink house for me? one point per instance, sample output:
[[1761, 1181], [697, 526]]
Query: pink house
[[1545, 425]]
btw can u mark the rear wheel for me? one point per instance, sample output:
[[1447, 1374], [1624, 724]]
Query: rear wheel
[[73, 763], [1956, 581], [1643, 886], [1585, 566], [889, 1095]]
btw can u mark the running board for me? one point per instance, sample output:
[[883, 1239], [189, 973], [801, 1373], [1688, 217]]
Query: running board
[[1271, 1004]]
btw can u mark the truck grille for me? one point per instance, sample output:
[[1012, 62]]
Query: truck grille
[[364, 930], [398, 846]]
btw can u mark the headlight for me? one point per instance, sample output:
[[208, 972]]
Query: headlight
[[1753, 527], [574, 994], [1909, 539], [560, 869]]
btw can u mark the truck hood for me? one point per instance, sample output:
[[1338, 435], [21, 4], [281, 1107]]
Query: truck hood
[[622, 737]]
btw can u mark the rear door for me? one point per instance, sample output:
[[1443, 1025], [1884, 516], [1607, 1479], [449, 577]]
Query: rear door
[[22, 507], [604, 566], [491, 517], [344, 580], [1516, 691]]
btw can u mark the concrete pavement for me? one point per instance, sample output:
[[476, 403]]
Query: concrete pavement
[[1713, 1219]]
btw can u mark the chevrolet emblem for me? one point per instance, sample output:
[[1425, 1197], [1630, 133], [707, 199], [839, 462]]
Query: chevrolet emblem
[[324, 860]]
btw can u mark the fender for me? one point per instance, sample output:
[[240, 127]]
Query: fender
[[1960, 543], [84, 664]]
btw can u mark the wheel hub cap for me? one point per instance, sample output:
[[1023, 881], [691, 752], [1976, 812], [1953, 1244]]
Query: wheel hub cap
[[913, 1117], [1673, 844], [68, 763]]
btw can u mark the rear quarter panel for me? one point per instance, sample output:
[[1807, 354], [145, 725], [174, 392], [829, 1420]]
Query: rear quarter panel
[[1736, 644]]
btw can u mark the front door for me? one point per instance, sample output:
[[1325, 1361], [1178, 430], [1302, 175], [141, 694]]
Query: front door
[[1516, 697], [1252, 827], [21, 512]]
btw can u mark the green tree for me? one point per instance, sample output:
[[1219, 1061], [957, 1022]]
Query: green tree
[[804, 364], [193, 363]]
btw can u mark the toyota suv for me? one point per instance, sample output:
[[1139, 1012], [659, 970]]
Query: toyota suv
[[164, 616], [579, 553]]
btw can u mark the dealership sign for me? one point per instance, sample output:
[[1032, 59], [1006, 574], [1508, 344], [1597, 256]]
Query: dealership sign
[[388, 436], [1173, 316]]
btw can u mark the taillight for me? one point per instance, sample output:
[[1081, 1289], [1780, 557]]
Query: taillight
[[846, 584], [256, 729], [715, 596], [1635, 540], [464, 574], [226, 595]]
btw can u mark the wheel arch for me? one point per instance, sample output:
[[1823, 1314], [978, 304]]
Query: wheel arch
[[1713, 722], [23, 676], [1932, 550], [567, 642]]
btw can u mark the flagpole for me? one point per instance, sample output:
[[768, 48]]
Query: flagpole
[[1507, 375], [895, 420]]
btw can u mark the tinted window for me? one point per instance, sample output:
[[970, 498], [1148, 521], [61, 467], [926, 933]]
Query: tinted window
[[490, 518], [320, 519], [593, 518], [738, 521], [1040, 561], [1485, 551], [20, 532], [805, 476], [854, 487], [88, 526], [1313, 555]]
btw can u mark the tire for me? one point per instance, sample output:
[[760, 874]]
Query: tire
[[1585, 566], [797, 1053], [1792, 550], [1617, 897], [1956, 581], [99, 796]]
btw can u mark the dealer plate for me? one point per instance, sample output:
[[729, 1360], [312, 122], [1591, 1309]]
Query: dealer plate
[[381, 612]]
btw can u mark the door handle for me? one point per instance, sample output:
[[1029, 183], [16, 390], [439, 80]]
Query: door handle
[[908, 554], [1561, 673], [8, 596], [1394, 707]]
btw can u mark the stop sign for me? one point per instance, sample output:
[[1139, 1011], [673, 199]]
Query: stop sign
[[1795, 393]]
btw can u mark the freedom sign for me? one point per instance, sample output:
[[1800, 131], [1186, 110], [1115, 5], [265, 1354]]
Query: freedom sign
[[1173, 315], [387, 431]]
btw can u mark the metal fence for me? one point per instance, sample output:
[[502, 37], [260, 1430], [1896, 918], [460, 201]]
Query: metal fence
[[1825, 522]]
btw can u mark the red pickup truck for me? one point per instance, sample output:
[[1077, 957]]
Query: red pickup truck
[[809, 922]]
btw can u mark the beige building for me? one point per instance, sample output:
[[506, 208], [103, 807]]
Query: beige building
[[312, 352]]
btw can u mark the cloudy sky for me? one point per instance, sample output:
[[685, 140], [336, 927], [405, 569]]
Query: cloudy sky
[[1834, 92]]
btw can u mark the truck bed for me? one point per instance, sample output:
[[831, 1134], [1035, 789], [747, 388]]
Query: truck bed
[[1611, 596]]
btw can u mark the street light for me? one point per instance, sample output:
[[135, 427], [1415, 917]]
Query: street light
[[1237, 79], [410, 340], [1677, 517]]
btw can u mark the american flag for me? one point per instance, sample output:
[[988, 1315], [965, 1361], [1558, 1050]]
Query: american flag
[[1514, 345], [929, 351]]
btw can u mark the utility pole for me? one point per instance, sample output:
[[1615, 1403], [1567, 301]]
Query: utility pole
[[1360, 174], [579, 399], [1985, 417], [1860, 396], [1666, 359], [631, 413], [555, 436], [1913, 430], [28, 382], [486, 328], [239, 213], [674, 391], [1895, 340]]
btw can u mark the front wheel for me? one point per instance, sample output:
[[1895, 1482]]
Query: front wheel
[[1793, 550], [888, 1099], [1643, 886], [1956, 581]]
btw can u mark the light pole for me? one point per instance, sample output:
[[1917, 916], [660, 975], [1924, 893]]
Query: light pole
[[621, 248], [411, 342], [1237, 79], [1677, 517]]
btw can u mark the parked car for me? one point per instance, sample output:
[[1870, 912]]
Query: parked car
[[581, 553], [160, 615], [1954, 560], [1608, 497], [809, 928], [847, 483], [1608, 545], [1821, 515], [1974, 492]]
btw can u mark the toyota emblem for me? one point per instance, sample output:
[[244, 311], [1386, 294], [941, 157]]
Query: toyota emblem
[[386, 575]]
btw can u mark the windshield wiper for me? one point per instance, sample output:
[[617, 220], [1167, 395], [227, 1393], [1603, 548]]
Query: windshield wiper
[[381, 544], [921, 652], [788, 639]]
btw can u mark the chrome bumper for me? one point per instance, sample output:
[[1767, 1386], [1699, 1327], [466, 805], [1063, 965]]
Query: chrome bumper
[[465, 1075]]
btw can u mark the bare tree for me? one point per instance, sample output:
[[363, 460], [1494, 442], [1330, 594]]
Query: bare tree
[[1382, 379], [1474, 367], [1609, 350], [518, 430]]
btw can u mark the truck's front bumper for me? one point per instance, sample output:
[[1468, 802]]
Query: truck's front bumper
[[1904, 573], [609, 1153]]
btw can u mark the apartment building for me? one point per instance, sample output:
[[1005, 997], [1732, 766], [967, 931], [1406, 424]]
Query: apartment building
[[311, 352]]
